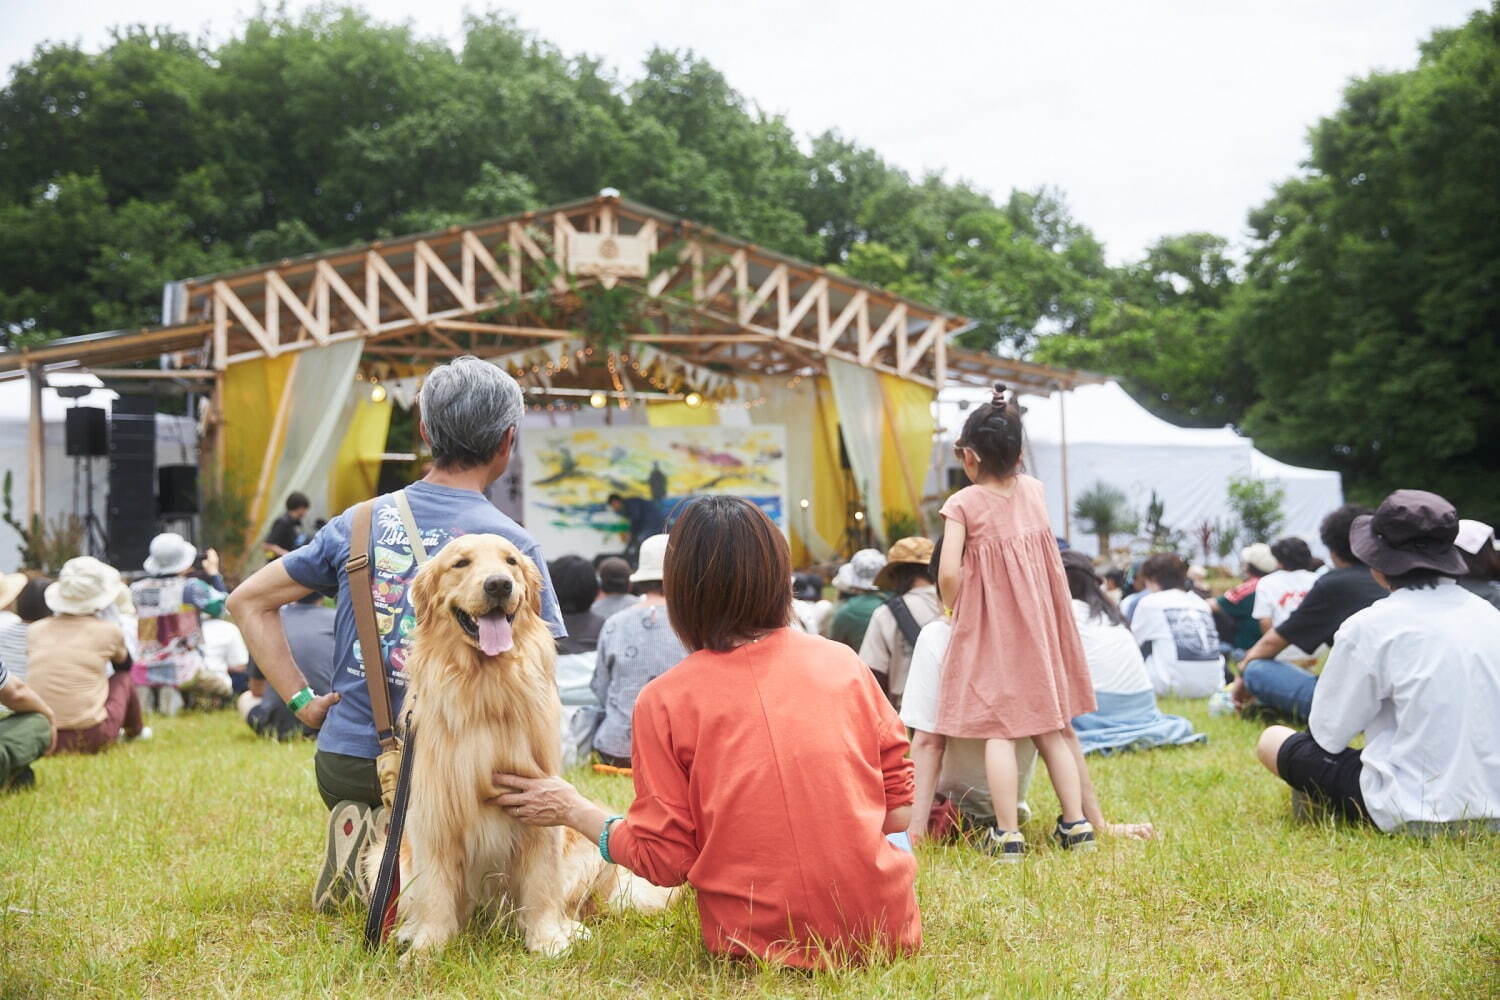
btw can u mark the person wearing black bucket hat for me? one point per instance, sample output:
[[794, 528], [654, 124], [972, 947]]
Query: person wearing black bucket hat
[[1419, 674]]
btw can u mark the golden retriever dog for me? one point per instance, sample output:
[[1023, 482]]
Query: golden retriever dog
[[483, 698]]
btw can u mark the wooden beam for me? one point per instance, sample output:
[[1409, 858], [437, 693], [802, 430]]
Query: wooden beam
[[226, 295], [36, 452], [415, 306], [544, 333], [428, 259], [871, 345], [817, 292], [277, 288]]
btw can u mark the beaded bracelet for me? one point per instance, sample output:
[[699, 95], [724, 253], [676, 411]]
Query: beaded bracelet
[[604, 839]]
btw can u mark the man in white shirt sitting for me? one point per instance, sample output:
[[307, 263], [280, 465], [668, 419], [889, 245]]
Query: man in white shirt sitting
[[1419, 674], [1176, 632]]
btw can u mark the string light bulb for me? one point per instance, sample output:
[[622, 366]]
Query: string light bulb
[[693, 400], [598, 400], [859, 515], [378, 393], [806, 503]]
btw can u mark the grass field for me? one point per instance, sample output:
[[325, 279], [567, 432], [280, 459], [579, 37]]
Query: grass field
[[180, 867]]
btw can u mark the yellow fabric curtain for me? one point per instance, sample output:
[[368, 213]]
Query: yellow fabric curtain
[[906, 446], [830, 504], [252, 397], [681, 415], [356, 469]]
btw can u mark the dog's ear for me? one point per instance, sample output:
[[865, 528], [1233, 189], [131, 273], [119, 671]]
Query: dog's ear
[[422, 586], [533, 585]]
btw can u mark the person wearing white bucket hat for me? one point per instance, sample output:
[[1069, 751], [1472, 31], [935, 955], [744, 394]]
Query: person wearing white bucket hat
[[856, 581], [635, 646], [1476, 540], [170, 606], [79, 664]]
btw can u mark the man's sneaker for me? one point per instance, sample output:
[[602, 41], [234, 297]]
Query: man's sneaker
[[348, 830], [1077, 836], [1009, 847]]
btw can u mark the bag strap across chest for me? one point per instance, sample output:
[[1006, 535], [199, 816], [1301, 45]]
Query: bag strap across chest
[[363, 598], [905, 620]]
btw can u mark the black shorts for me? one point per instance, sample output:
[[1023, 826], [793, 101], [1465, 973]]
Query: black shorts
[[1332, 778]]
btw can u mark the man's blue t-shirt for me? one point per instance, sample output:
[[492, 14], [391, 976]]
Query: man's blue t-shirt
[[442, 513]]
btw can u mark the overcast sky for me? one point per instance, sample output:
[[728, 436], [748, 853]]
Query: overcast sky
[[1152, 116]]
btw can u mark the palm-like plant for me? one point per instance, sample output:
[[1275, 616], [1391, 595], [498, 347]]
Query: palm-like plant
[[1104, 510]]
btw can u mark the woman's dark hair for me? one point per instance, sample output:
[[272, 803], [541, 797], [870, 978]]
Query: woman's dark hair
[[1417, 579], [574, 583], [935, 564], [297, 501], [993, 434], [1166, 570], [31, 603], [1334, 531], [1292, 553], [726, 574], [1084, 584], [903, 576], [807, 586]]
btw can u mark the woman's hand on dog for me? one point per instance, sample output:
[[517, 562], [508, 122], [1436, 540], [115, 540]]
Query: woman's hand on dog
[[546, 802], [315, 711]]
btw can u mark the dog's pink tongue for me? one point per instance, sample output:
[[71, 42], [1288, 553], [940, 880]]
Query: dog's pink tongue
[[494, 634]]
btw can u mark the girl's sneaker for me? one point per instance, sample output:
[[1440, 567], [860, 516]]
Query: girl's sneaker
[[1005, 846], [1077, 836]]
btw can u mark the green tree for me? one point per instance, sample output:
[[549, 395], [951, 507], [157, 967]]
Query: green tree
[[1104, 510], [1372, 297], [1257, 505]]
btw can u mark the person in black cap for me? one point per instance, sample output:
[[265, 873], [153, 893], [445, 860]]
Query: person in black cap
[[1418, 673]]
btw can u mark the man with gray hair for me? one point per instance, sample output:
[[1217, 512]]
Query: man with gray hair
[[470, 412]]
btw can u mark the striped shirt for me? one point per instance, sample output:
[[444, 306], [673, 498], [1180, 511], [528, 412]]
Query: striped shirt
[[13, 649]]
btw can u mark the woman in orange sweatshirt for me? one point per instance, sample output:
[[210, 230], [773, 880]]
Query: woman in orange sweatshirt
[[768, 766]]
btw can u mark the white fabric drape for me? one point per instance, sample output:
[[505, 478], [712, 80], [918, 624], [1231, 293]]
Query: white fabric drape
[[322, 403], [797, 410], [856, 392]]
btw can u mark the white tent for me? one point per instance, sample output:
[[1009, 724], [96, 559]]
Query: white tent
[[176, 443], [1111, 438]]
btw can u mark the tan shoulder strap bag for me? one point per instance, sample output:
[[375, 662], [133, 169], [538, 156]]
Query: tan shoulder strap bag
[[388, 764]]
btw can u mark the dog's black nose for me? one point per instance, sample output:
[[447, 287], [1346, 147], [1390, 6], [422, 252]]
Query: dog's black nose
[[498, 587]]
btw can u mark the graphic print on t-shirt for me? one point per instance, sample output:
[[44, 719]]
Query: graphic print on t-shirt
[[392, 570], [1193, 633]]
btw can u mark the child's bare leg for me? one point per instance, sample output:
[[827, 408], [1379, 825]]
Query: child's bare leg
[[927, 754], [1063, 770], [1091, 810], [1000, 771]]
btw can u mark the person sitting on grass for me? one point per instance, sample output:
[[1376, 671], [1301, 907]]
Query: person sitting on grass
[[30, 606], [26, 735], [171, 602], [635, 647], [1349, 587], [1176, 632], [855, 583], [80, 666], [895, 625], [1238, 603], [1127, 717], [470, 414], [1419, 674], [1476, 540], [309, 629], [614, 588], [1278, 594], [768, 765]]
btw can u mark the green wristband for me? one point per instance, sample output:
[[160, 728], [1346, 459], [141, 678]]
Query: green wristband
[[300, 699]]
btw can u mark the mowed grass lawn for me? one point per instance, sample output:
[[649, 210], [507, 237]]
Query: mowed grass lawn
[[180, 867]]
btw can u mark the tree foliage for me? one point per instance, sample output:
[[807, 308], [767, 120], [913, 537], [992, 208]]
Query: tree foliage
[[160, 158]]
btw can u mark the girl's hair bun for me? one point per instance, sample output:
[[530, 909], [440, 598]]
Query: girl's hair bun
[[998, 399]]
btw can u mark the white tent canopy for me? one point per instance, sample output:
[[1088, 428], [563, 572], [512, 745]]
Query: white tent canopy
[[1113, 439], [176, 443]]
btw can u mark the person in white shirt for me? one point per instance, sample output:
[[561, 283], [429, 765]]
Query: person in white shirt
[[224, 653], [1419, 674], [1280, 593], [1176, 632]]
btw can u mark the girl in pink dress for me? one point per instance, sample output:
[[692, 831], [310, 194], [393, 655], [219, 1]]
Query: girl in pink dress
[[1015, 666]]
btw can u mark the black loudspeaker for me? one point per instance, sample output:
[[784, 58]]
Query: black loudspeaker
[[86, 435], [177, 489], [131, 515]]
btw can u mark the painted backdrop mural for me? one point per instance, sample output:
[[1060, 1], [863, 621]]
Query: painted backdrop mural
[[570, 473]]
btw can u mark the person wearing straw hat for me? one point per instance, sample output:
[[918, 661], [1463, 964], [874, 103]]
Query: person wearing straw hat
[[855, 580], [1419, 674], [895, 625], [170, 605], [11, 585], [79, 664], [636, 646]]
